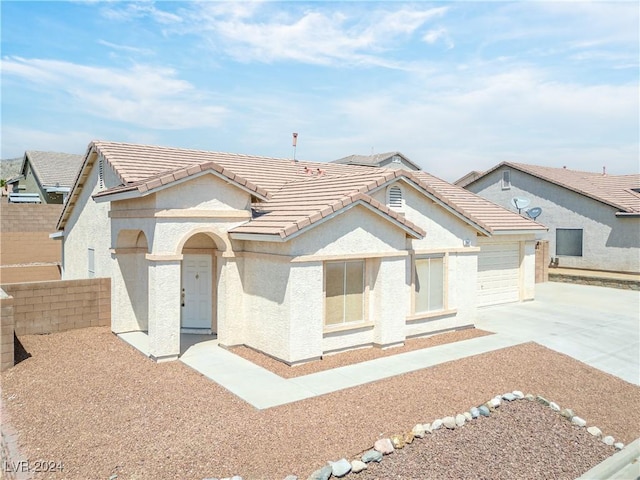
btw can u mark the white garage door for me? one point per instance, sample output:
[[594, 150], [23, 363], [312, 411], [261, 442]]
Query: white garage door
[[498, 273]]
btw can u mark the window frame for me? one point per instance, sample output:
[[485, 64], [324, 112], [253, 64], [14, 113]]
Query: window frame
[[506, 180], [91, 262], [581, 230], [365, 296], [415, 313]]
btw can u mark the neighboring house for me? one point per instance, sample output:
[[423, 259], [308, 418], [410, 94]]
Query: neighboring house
[[295, 259], [393, 160], [45, 177], [593, 218]]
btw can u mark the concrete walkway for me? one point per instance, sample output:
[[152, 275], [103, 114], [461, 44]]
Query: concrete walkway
[[264, 389], [596, 325]]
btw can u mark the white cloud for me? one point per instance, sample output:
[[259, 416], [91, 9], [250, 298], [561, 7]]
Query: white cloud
[[129, 11], [433, 36], [143, 95], [321, 37], [126, 48]]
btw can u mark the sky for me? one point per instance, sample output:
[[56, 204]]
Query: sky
[[454, 86]]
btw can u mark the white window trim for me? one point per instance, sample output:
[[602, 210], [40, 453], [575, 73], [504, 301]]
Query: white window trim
[[446, 308], [335, 327]]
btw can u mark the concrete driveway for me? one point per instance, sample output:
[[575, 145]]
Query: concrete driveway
[[596, 325]]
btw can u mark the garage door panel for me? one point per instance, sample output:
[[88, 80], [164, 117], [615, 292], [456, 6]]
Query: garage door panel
[[498, 273]]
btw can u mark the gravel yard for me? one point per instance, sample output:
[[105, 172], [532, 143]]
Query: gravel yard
[[89, 400]]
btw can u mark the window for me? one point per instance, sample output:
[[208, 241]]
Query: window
[[569, 242], [394, 198], [92, 262], [344, 292], [506, 179], [429, 284]]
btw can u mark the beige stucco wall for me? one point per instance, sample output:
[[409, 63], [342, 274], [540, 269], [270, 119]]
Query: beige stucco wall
[[88, 227]]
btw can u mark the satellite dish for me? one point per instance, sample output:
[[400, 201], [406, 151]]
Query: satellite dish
[[520, 203], [534, 212]]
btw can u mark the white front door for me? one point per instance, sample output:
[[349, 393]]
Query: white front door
[[196, 292]]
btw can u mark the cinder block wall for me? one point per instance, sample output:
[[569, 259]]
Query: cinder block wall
[[47, 307], [6, 331], [27, 254]]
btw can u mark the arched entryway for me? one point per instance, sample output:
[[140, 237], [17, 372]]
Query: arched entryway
[[198, 300]]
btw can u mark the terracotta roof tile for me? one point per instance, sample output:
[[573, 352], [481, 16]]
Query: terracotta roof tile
[[296, 194]]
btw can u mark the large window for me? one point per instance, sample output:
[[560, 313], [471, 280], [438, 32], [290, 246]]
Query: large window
[[344, 292], [429, 284], [569, 242]]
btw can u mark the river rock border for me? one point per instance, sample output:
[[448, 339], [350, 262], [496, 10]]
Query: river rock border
[[386, 446]]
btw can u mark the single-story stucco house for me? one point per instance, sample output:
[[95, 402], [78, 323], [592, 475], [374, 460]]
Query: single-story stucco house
[[295, 259], [593, 217]]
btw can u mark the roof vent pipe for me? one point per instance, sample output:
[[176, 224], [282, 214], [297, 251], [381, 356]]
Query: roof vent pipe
[[295, 144], [604, 171]]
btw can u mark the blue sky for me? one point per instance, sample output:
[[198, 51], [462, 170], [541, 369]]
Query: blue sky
[[455, 86]]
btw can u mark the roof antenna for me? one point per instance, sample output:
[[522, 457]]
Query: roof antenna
[[604, 171], [295, 144]]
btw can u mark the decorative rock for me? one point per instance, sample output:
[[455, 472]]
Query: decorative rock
[[475, 413], [468, 417], [554, 406], [384, 446], [428, 428], [418, 431], [496, 401], [291, 477], [449, 422], [357, 466], [460, 420], [340, 468], [567, 413], [408, 438], [580, 422], [372, 456], [436, 424], [608, 440], [595, 431], [619, 445], [529, 397], [543, 400], [397, 441], [484, 411], [323, 474], [509, 397], [518, 394]]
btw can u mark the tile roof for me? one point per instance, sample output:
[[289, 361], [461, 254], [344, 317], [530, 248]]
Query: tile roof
[[488, 215], [295, 195], [618, 191], [53, 168], [372, 160]]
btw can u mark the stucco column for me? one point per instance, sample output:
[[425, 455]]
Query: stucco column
[[391, 291], [164, 306], [122, 315], [307, 309]]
